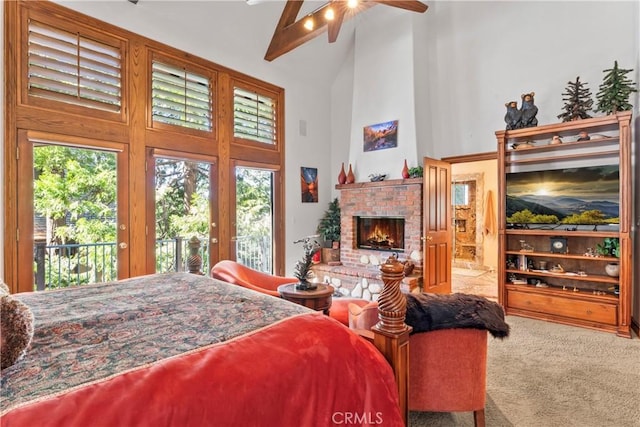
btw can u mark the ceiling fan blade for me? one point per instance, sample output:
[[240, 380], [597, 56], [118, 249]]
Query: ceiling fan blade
[[334, 26], [412, 5]]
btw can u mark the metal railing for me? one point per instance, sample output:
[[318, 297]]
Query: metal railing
[[61, 266]]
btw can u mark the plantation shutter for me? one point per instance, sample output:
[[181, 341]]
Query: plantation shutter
[[72, 68], [254, 116], [180, 97]]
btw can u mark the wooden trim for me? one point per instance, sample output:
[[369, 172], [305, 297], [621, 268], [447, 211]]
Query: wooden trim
[[134, 131], [466, 158], [11, 25]]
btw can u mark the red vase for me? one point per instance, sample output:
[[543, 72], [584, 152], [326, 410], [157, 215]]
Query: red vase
[[342, 177], [351, 178], [405, 170]]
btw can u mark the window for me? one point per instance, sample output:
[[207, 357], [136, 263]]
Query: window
[[460, 194], [180, 97], [254, 116], [73, 68]]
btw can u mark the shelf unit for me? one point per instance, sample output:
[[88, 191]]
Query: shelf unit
[[573, 287]]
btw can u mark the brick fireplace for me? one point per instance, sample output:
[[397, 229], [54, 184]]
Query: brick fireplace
[[401, 198], [359, 274]]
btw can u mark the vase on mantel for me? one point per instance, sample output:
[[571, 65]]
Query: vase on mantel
[[342, 177], [405, 170], [351, 178]]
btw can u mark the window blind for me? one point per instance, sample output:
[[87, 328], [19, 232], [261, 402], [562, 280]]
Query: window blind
[[72, 68], [254, 116], [180, 97]]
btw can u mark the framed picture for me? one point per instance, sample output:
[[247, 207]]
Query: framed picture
[[381, 136], [309, 184]]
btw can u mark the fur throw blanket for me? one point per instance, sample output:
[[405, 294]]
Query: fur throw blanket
[[430, 312]]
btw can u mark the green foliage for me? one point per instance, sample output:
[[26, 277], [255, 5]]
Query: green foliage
[[615, 90], [415, 172], [593, 216], [527, 217], [610, 246], [329, 226], [77, 189]]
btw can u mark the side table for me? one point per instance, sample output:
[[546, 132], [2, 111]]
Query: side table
[[318, 299]]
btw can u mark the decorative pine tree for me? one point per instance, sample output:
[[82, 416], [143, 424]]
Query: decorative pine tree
[[615, 90], [577, 98]]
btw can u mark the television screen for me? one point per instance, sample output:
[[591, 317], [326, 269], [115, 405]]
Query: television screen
[[579, 196]]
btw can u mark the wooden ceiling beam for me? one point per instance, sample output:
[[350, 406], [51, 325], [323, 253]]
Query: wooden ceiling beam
[[291, 32]]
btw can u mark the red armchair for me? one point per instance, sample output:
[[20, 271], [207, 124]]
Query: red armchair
[[447, 367], [239, 274]]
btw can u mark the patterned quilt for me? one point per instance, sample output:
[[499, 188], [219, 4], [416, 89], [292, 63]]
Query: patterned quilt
[[93, 332]]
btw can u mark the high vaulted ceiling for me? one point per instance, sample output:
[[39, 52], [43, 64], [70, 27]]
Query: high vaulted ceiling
[[293, 31]]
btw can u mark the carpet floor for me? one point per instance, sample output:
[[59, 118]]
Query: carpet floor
[[550, 375]]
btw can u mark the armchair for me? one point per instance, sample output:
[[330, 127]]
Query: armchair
[[239, 274], [447, 367]]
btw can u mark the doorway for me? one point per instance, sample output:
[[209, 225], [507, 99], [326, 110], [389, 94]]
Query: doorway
[[468, 216]]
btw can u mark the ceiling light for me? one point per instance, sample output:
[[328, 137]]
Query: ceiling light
[[329, 15], [352, 4], [308, 23]]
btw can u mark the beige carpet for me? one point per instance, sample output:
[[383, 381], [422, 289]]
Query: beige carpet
[[551, 375]]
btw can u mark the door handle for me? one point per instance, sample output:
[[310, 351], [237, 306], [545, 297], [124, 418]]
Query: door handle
[[123, 245]]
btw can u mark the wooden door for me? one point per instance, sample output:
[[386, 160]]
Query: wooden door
[[437, 227]]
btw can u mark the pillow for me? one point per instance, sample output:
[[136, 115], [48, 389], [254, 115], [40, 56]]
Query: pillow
[[16, 330], [364, 317]]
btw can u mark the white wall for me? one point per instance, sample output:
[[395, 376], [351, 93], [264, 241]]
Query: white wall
[[476, 56]]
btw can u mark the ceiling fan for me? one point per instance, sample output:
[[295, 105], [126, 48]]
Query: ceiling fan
[[292, 32]]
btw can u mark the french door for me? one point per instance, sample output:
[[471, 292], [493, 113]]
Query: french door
[[72, 216], [182, 212], [253, 221]]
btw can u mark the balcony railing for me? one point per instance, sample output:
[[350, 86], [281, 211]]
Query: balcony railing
[[61, 266]]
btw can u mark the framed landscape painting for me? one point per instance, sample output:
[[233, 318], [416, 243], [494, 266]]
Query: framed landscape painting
[[309, 184], [381, 136]]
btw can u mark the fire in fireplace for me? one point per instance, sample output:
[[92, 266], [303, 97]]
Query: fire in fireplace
[[380, 233]]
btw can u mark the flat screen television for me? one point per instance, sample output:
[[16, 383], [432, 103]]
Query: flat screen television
[[572, 196]]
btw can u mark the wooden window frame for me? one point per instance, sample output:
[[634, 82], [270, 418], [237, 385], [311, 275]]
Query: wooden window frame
[[72, 27]]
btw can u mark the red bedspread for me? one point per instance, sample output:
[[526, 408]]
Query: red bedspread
[[305, 370]]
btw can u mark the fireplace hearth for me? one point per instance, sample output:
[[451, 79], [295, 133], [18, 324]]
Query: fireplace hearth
[[382, 233]]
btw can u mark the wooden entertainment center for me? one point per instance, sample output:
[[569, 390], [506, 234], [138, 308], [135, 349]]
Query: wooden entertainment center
[[553, 271]]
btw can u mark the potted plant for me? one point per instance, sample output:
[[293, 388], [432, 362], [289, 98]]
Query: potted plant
[[302, 270], [329, 230], [610, 247], [415, 172]]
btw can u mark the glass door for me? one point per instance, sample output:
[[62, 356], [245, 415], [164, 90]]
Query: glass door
[[254, 218], [72, 227], [185, 231]]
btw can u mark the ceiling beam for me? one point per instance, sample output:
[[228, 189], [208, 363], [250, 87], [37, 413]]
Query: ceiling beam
[[291, 32]]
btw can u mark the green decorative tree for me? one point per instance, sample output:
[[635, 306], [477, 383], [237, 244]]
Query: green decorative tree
[[577, 100], [615, 90], [329, 226]]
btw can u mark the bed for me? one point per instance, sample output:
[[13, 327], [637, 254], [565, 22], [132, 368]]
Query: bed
[[187, 350]]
